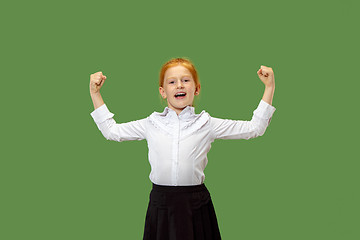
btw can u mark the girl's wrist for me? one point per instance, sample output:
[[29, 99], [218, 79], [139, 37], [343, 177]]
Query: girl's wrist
[[270, 86], [94, 93]]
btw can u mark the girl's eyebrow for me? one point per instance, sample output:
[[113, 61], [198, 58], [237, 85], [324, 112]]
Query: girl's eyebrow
[[175, 77]]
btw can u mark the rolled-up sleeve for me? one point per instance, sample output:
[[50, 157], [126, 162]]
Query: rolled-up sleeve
[[239, 129], [134, 130]]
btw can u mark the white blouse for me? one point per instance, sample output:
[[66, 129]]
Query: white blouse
[[178, 144]]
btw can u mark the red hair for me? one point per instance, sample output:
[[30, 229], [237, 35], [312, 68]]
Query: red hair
[[175, 62]]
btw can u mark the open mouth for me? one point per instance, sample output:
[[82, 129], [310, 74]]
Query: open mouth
[[180, 95]]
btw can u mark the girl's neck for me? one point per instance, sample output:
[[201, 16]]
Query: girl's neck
[[178, 110]]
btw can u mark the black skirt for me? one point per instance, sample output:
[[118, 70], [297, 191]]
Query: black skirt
[[180, 213]]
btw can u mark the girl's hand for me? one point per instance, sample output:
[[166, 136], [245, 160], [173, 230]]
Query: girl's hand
[[266, 75], [96, 82]]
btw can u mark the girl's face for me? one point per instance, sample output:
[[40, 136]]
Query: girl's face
[[179, 88]]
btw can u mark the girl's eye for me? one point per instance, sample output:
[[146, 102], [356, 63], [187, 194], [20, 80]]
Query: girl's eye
[[171, 82], [186, 80]]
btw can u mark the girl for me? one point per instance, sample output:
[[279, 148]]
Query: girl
[[180, 206]]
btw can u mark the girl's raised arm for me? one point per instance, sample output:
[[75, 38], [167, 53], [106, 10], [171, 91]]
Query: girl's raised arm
[[103, 118], [238, 129], [96, 82], [266, 75]]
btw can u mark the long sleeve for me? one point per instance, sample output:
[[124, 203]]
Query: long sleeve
[[134, 130], [238, 129]]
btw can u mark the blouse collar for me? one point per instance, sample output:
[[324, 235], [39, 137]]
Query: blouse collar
[[187, 113], [189, 121]]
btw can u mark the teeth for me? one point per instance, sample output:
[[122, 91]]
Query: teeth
[[180, 94]]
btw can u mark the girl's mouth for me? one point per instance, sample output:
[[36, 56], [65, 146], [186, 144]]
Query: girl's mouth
[[180, 95]]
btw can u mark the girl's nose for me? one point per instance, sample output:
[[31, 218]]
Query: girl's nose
[[179, 84]]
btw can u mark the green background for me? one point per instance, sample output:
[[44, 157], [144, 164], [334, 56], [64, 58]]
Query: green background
[[61, 179]]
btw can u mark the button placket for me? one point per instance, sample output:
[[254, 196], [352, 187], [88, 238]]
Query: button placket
[[175, 155]]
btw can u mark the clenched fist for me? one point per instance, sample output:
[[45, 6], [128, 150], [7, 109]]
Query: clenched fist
[[266, 75], [96, 82]]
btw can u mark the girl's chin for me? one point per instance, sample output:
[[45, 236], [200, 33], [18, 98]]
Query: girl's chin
[[180, 107], [180, 104]]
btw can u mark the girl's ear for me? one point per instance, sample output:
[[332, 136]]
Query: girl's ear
[[162, 92], [197, 90]]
